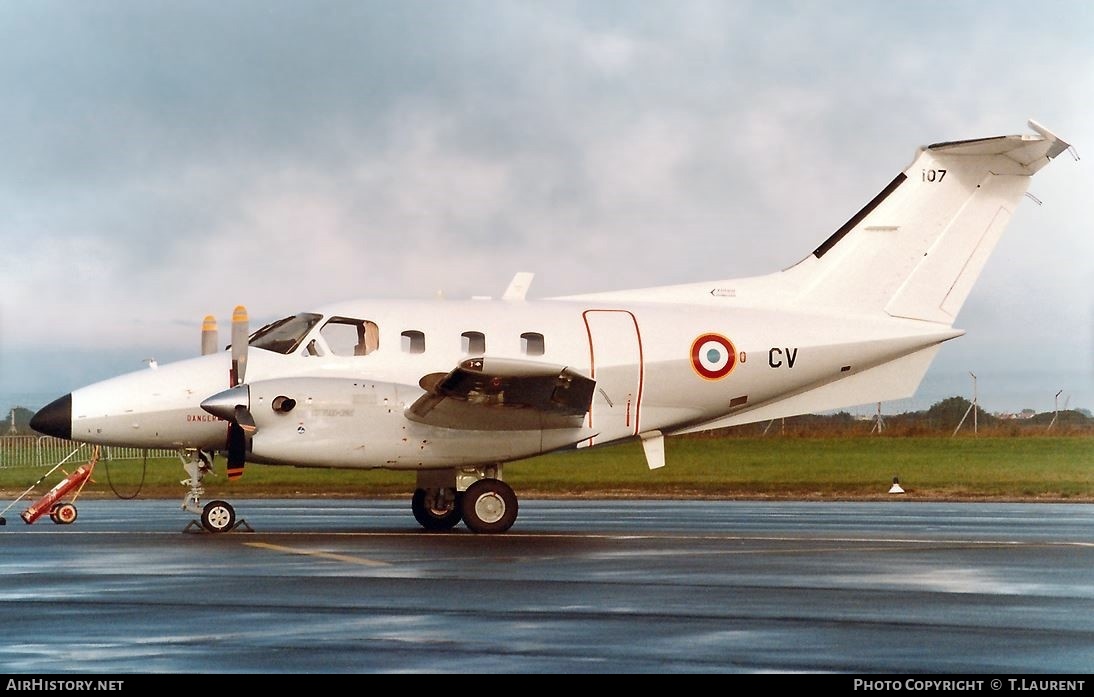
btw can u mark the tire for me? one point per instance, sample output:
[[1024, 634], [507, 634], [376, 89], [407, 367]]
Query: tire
[[218, 516], [489, 506], [64, 514], [432, 518]]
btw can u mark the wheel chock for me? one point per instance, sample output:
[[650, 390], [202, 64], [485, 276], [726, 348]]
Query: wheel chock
[[194, 527]]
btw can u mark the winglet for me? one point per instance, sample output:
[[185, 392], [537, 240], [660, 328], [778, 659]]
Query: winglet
[[518, 287]]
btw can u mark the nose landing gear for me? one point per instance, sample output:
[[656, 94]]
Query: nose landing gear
[[216, 516]]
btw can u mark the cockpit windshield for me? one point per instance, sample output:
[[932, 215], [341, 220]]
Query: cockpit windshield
[[285, 335]]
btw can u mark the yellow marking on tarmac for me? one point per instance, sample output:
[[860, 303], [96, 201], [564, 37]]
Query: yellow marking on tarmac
[[316, 553]]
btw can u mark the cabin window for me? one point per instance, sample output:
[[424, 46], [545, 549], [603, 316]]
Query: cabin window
[[531, 344], [413, 341], [346, 336], [473, 342]]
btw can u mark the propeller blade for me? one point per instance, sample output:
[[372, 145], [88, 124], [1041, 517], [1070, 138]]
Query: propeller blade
[[244, 419], [240, 334], [237, 451], [209, 335]]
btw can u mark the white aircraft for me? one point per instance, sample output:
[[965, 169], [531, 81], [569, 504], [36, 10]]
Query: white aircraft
[[453, 389]]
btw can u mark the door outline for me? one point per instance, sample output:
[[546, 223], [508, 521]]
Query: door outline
[[641, 365]]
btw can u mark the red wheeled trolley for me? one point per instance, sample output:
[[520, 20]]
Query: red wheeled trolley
[[60, 512]]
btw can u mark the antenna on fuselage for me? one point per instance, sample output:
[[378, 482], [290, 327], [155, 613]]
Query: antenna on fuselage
[[518, 287]]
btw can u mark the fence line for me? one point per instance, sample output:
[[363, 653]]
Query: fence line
[[46, 451]]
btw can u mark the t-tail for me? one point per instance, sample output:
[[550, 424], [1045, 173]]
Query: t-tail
[[916, 249]]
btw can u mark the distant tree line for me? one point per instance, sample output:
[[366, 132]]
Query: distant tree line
[[940, 419]]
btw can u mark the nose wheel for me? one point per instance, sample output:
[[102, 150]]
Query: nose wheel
[[218, 516]]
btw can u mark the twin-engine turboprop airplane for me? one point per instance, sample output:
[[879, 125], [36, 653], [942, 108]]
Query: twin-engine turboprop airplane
[[452, 390]]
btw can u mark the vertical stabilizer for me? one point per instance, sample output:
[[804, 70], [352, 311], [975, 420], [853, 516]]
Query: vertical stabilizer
[[917, 248]]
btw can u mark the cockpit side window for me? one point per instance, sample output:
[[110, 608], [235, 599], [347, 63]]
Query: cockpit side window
[[346, 336], [284, 335]]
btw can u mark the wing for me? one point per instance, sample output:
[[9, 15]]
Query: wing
[[497, 394]]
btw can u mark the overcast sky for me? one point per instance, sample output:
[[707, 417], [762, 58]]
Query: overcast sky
[[162, 161]]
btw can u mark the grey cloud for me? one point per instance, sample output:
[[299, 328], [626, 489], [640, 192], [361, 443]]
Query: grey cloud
[[204, 151]]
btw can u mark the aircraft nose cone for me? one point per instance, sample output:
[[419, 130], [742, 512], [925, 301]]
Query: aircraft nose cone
[[55, 418]]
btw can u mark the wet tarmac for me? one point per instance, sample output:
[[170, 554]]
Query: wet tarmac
[[337, 586]]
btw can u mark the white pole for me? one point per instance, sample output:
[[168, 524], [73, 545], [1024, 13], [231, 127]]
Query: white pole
[[975, 400], [1055, 412]]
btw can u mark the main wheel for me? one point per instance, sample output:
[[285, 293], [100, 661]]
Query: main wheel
[[432, 518], [218, 516], [489, 506], [63, 513]]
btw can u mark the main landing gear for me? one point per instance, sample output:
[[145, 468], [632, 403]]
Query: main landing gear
[[478, 497], [437, 509]]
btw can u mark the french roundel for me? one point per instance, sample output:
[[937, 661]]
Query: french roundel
[[713, 356]]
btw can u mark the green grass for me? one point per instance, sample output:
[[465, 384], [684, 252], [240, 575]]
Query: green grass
[[860, 467], [1031, 468]]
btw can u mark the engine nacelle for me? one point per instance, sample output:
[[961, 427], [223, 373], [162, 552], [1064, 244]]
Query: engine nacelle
[[343, 422]]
